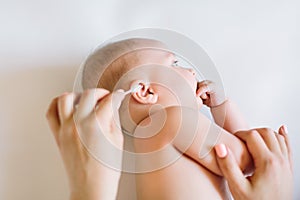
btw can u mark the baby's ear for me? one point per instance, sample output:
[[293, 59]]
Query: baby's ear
[[144, 94]]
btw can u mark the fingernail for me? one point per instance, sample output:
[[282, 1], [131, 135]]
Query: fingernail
[[285, 129], [221, 150]]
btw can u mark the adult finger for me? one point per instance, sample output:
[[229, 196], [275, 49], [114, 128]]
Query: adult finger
[[110, 105], [255, 144], [65, 106], [53, 117], [88, 101], [284, 133], [270, 139], [231, 171], [282, 144]]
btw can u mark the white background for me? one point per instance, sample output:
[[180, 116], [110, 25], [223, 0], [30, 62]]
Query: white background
[[254, 44]]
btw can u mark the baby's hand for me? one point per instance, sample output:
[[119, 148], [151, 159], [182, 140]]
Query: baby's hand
[[210, 94]]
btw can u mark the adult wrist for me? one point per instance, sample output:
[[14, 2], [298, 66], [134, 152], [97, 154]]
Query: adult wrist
[[99, 187]]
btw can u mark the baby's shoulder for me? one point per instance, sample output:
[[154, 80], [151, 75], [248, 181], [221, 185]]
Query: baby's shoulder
[[173, 111], [169, 119], [159, 121], [165, 126]]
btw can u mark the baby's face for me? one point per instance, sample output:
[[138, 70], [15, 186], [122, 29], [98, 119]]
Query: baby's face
[[169, 60]]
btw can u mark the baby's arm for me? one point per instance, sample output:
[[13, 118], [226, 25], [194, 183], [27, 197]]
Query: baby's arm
[[228, 116], [196, 140], [206, 136]]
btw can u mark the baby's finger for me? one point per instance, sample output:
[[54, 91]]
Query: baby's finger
[[65, 106], [202, 90], [205, 82], [52, 116], [88, 101], [204, 96]]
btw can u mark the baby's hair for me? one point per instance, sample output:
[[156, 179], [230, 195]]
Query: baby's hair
[[110, 55]]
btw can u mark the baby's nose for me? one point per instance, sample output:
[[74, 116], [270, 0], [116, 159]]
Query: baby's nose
[[192, 71]]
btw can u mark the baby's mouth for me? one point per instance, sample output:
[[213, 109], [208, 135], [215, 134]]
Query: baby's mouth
[[196, 88]]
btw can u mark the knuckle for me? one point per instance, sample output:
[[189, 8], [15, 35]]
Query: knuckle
[[88, 123], [64, 96], [253, 133], [276, 164], [269, 162], [272, 162], [282, 159], [54, 100], [267, 130], [62, 99]]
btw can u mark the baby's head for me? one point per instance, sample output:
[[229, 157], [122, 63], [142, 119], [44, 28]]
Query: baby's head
[[107, 64], [105, 67]]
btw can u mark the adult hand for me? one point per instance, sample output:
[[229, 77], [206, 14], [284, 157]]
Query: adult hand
[[272, 156], [88, 178]]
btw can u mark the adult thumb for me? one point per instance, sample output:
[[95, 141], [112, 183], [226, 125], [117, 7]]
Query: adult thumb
[[108, 106], [118, 97], [231, 171]]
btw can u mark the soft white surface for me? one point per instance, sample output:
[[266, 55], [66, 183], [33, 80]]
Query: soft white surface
[[254, 44]]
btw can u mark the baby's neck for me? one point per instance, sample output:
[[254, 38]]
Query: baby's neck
[[133, 114]]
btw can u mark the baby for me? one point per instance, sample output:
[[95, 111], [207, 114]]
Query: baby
[[191, 176]]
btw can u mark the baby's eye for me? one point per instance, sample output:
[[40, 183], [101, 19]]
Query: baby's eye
[[175, 63]]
